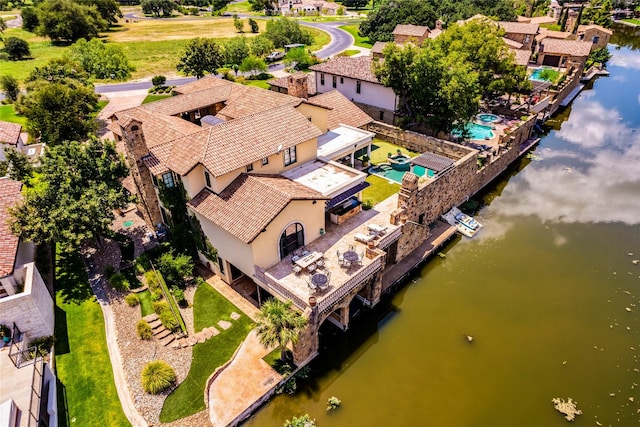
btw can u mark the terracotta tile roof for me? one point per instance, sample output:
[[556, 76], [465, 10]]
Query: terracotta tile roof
[[247, 100], [342, 111], [157, 128], [582, 28], [519, 27], [512, 43], [250, 203], [175, 105], [544, 34], [378, 47], [522, 56], [9, 133], [284, 82], [410, 30], [9, 196], [359, 68], [207, 82], [565, 47], [236, 143]]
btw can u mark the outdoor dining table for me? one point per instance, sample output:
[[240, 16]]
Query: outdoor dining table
[[320, 280], [306, 261], [350, 256]]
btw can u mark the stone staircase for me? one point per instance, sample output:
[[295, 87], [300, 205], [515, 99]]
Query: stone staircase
[[160, 333]]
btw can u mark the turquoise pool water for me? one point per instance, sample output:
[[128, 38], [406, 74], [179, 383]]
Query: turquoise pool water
[[396, 175], [477, 131], [536, 75], [488, 118]]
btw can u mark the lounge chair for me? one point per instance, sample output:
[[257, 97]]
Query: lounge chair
[[364, 238], [377, 228]]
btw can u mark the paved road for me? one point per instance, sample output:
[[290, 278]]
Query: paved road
[[340, 40]]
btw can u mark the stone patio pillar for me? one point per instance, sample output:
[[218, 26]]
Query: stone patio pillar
[[307, 346]]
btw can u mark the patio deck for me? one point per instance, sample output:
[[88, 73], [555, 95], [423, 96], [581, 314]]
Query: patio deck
[[284, 281]]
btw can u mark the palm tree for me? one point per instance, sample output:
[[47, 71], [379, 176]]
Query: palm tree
[[279, 324]]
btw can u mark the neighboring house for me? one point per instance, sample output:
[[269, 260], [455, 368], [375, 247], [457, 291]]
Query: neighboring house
[[520, 32], [353, 77], [308, 7], [252, 172], [417, 34], [570, 54], [28, 391], [10, 137], [596, 34]]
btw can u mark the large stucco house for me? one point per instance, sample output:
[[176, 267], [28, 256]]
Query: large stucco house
[[28, 390], [258, 167]]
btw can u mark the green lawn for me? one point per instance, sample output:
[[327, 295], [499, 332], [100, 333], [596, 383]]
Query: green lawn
[[349, 52], [552, 27], [8, 114], [151, 98], [380, 149], [86, 390], [257, 83], [379, 190], [209, 307], [146, 305], [242, 7], [359, 40], [632, 21]]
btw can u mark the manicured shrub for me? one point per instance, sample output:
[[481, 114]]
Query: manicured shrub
[[158, 80], [157, 376], [178, 294], [160, 306], [119, 282], [144, 330], [132, 300], [156, 295], [152, 279], [169, 320]]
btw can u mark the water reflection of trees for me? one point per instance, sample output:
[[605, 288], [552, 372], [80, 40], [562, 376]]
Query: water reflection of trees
[[626, 36]]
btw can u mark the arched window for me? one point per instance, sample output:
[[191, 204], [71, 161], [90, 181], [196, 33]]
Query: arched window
[[292, 238]]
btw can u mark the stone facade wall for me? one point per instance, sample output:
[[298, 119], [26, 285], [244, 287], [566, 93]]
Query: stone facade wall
[[413, 235], [388, 117], [564, 91], [31, 309], [417, 141], [426, 201]]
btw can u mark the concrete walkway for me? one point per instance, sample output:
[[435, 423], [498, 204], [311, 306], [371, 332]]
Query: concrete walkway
[[119, 101], [245, 381]]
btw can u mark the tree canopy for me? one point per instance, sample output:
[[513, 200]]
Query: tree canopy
[[108, 9], [268, 6], [283, 31], [252, 64], [441, 83], [201, 56], [78, 188], [59, 102], [380, 23], [236, 49], [16, 48], [102, 60], [159, 7], [67, 21], [598, 12]]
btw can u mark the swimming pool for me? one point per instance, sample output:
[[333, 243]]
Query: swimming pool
[[476, 131], [537, 75], [488, 118], [386, 171]]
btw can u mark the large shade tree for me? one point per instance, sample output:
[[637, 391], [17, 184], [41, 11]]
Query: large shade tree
[[279, 324], [201, 56], [283, 31], [79, 186], [67, 21]]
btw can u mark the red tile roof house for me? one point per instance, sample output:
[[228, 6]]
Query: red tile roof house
[[26, 306], [570, 54], [10, 137], [233, 166]]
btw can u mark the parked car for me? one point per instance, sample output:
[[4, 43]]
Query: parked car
[[274, 56]]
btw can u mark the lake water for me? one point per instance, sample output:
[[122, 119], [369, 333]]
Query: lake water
[[548, 289]]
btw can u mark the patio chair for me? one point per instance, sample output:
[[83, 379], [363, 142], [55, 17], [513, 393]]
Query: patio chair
[[340, 258], [311, 267], [296, 269], [305, 253], [320, 263], [311, 285]]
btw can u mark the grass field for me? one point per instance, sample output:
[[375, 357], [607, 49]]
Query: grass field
[[379, 190], [632, 21], [86, 389], [151, 98], [359, 40], [153, 46], [8, 114], [209, 307], [380, 149], [242, 7]]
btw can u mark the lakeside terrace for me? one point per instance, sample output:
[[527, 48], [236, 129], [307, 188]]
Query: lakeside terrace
[[281, 279]]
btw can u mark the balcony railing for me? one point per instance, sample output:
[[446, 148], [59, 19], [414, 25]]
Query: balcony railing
[[389, 238], [325, 305], [274, 285]]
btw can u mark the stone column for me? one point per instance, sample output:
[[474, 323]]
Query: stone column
[[136, 148], [307, 346]]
